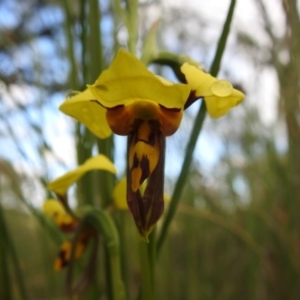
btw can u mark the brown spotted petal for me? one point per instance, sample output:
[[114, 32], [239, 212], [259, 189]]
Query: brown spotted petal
[[64, 257], [146, 148]]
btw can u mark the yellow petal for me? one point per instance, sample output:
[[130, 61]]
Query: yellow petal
[[61, 184], [197, 79], [54, 209], [219, 106], [128, 80], [219, 95], [87, 112]]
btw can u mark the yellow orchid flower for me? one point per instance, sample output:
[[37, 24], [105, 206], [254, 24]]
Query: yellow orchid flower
[[61, 184], [54, 209], [146, 108], [64, 256], [66, 221], [219, 95]]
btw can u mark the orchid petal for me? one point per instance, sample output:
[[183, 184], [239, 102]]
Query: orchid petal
[[54, 209], [88, 112], [219, 95], [99, 162], [127, 80]]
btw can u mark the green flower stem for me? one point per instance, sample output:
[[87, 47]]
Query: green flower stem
[[123, 234], [95, 39], [84, 185], [214, 69], [70, 40], [7, 247], [183, 176], [83, 40], [104, 224], [147, 258], [106, 179], [5, 285], [132, 24], [96, 65]]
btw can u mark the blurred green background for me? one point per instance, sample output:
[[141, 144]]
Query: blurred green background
[[236, 234]]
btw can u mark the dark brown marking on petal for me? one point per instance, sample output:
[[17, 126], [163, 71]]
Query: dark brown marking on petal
[[155, 126], [114, 107], [135, 163], [154, 193], [108, 108], [68, 227], [170, 109], [96, 101], [191, 99], [151, 138], [147, 209], [134, 199], [144, 164], [62, 258], [134, 128]]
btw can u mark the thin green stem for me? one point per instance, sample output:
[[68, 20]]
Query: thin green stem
[[183, 176], [5, 284], [123, 235], [83, 38], [147, 258], [71, 54], [12, 252], [95, 39], [214, 69], [104, 224], [132, 24]]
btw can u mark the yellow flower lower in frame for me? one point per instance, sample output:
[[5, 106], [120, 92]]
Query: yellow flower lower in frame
[[65, 253], [54, 209], [146, 108], [219, 95]]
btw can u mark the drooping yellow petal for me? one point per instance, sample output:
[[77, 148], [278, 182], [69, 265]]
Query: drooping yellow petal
[[87, 112], [219, 95], [54, 209], [128, 80], [197, 79], [100, 162]]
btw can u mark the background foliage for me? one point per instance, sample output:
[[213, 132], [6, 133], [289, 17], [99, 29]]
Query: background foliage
[[236, 230]]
